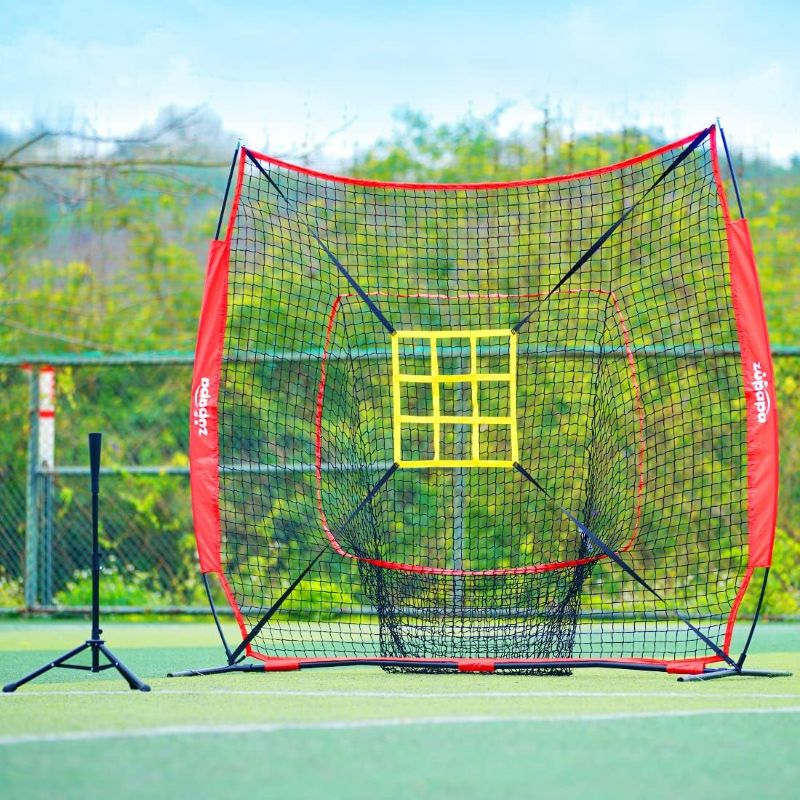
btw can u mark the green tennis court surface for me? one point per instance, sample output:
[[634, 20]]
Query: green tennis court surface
[[360, 733]]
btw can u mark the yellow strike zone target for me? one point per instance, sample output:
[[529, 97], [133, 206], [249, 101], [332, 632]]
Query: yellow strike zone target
[[479, 424]]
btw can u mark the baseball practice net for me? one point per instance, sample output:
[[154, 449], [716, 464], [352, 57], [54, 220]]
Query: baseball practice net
[[521, 426]]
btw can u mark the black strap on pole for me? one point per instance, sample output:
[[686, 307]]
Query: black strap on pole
[[373, 307], [731, 169], [282, 599], [227, 189], [603, 238], [620, 562]]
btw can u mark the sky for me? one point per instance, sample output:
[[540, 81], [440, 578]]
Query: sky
[[283, 75]]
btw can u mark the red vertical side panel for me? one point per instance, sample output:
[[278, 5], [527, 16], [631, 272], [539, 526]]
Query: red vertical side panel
[[203, 428], [759, 389]]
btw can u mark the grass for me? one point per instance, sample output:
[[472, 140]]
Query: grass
[[360, 733]]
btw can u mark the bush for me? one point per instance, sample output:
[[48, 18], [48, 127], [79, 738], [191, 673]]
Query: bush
[[120, 585]]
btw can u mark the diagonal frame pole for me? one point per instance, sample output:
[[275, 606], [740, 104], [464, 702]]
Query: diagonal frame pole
[[620, 562], [606, 235], [239, 652], [372, 305]]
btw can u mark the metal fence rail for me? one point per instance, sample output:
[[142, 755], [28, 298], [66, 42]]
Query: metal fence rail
[[146, 527]]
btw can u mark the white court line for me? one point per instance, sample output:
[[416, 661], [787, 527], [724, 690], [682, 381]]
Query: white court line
[[404, 695], [274, 727]]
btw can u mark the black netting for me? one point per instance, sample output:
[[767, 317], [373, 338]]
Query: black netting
[[620, 395]]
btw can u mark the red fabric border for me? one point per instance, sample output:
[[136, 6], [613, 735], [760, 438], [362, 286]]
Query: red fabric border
[[762, 436], [762, 433], [759, 392], [476, 665], [532, 568], [204, 447], [686, 667], [203, 430], [470, 186]]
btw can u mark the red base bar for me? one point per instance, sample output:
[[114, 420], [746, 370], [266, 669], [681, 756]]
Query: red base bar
[[487, 665], [684, 668], [476, 665], [281, 664]]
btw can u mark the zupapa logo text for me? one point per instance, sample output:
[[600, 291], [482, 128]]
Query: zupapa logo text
[[200, 414], [761, 387]]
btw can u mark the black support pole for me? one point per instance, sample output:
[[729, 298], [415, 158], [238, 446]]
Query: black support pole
[[731, 170], [227, 189], [213, 608], [757, 614]]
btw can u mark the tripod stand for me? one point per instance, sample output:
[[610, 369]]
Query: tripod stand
[[95, 643]]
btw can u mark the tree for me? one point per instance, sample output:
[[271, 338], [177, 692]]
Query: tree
[[100, 237]]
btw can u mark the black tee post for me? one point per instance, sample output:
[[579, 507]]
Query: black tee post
[[95, 644]]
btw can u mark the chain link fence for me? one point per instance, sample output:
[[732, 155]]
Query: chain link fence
[[140, 404], [15, 415]]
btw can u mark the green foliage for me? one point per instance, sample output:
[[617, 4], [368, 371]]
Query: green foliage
[[122, 585], [12, 592], [783, 589], [114, 263], [85, 303], [473, 150], [103, 258]]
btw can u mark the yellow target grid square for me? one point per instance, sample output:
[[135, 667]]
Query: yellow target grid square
[[492, 437]]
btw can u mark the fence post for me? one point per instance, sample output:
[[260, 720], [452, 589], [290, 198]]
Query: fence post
[[32, 495], [45, 465]]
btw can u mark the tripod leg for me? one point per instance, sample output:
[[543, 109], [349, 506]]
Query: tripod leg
[[133, 681], [12, 687]]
